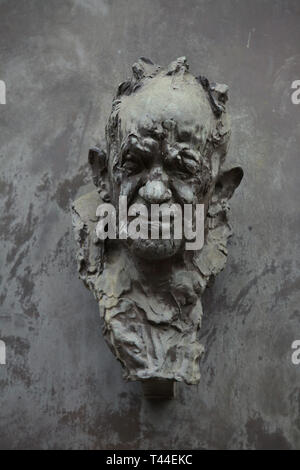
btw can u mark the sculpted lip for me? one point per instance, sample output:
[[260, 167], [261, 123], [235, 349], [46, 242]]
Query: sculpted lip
[[165, 221], [153, 224]]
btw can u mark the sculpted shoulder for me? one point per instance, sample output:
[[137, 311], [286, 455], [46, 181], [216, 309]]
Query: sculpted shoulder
[[85, 207], [89, 251]]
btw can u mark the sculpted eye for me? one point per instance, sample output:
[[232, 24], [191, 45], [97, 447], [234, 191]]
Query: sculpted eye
[[185, 163], [131, 165], [190, 160], [190, 165], [182, 165]]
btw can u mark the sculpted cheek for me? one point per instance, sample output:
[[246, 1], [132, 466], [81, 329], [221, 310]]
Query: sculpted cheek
[[184, 192], [130, 187]]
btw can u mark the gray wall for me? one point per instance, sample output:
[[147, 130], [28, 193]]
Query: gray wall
[[62, 388]]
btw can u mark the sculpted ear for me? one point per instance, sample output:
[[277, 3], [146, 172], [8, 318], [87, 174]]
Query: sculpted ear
[[227, 183], [97, 160]]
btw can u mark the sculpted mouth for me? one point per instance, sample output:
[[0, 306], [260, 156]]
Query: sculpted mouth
[[164, 223], [154, 249], [164, 219]]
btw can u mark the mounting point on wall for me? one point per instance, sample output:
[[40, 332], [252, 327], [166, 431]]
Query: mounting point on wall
[[157, 389]]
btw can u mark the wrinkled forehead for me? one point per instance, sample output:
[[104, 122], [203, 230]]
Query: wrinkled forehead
[[162, 110]]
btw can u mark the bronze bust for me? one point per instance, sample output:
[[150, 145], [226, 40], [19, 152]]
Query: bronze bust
[[166, 142]]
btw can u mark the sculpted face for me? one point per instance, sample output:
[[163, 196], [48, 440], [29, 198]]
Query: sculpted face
[[158, 157]]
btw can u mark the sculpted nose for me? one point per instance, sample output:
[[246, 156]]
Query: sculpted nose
[[155, 192]]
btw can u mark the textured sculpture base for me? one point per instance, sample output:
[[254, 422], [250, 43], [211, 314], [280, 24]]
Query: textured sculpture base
[[159, 389]]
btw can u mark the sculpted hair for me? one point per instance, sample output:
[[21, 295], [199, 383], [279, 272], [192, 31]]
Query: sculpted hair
[[217, 94]]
